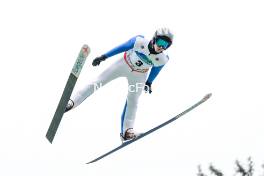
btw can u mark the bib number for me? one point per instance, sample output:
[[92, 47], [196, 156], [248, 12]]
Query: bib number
[[139, 63]]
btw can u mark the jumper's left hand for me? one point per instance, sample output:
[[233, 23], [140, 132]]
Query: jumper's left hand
[[147, 87]]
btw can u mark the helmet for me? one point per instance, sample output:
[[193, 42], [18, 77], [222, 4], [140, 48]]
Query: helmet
[[164, 34]]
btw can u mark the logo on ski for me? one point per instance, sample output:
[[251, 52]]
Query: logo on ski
[[76, 70]]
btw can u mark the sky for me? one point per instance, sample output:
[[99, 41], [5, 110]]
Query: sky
[[218, 49]]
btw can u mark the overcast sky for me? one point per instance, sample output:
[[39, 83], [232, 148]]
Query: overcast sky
[[218, 48]]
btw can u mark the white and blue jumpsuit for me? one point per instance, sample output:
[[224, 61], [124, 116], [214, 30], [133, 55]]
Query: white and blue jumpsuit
[[133, 65]]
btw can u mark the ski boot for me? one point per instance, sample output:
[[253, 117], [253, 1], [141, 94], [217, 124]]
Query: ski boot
[[130, 134], [69, 105]]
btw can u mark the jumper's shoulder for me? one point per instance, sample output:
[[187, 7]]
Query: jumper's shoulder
[[160, 59], [141, 41]]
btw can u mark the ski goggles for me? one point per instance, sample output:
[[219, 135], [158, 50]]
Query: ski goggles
[[162, 43]]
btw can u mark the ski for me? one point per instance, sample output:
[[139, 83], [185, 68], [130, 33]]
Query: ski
[[205, 98], [75, 72]]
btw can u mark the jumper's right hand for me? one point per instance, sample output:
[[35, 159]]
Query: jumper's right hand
[[98, 60]]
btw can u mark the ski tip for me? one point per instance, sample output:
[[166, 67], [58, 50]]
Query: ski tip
[[207, 96], [86, 50]]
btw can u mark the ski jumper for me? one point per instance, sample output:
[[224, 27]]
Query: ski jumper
[[134, 65]]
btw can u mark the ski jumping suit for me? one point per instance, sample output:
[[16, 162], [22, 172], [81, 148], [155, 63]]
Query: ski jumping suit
[[133, 65]]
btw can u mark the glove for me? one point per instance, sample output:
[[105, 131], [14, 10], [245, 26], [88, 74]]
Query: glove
[[148, 87], [98, 60]]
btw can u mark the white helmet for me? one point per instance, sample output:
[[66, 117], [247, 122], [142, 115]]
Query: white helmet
[[165, 34]]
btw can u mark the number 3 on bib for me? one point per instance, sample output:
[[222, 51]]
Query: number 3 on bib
[[139, 63]]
